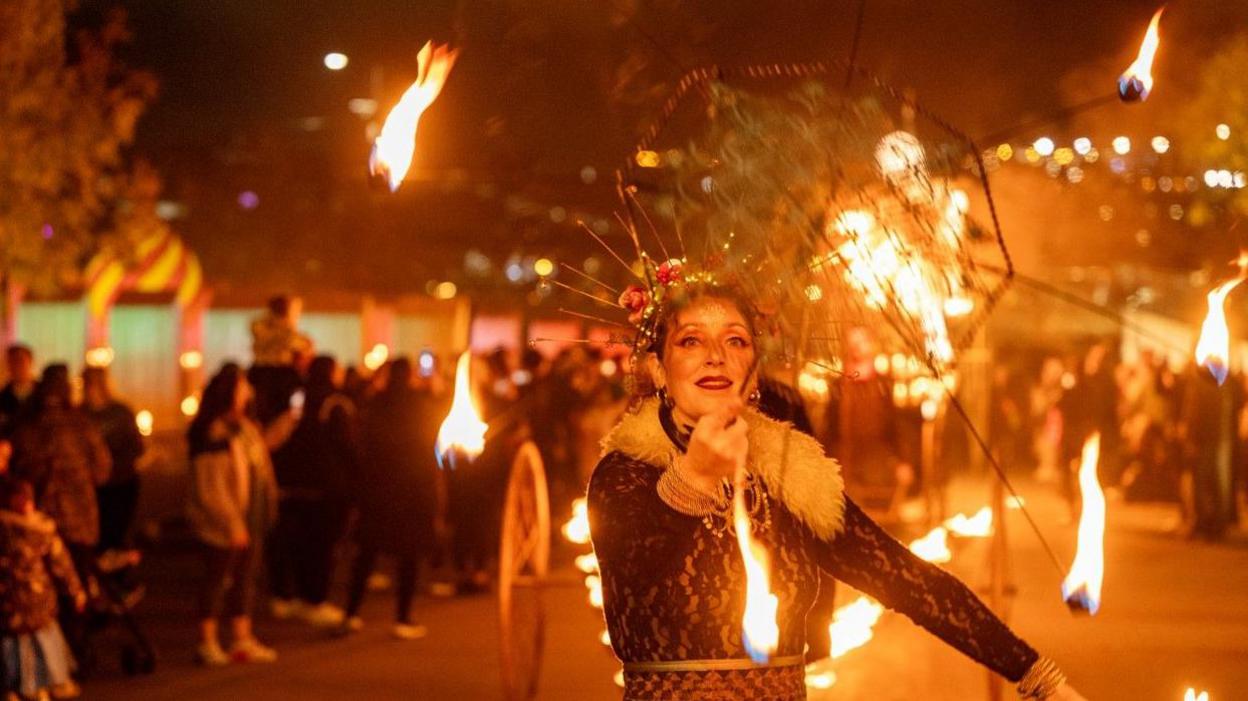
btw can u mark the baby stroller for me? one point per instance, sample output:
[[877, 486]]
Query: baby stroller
[[113, 597]]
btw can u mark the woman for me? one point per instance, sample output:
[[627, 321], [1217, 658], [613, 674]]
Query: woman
[[397, 494], [673, 582], [232, 505]]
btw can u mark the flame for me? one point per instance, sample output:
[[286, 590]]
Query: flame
[[977, 526], [759, 629], [1191, 695], [1135, 83], [819, 678], [577, 527], [1214, 347], [933, 547], [462, 431], [392, 150], [587, 563], [1082, 587], [852, 625], [594, 584]]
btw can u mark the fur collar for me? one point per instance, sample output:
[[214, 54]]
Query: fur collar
[[791, 463]]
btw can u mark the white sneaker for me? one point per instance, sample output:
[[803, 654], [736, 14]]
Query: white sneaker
[[323, 615], [442, 590], [285, 609], [250, 650], [211, 655], [409, 631], [354, 624]]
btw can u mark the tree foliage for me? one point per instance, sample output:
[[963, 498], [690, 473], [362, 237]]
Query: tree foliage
[[1220, 97], [68, 110]]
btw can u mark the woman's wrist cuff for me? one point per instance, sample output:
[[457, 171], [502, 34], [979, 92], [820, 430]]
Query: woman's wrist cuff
[[1041, 681], [682, 494]]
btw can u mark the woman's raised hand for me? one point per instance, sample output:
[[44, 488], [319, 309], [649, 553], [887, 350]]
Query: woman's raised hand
[[718, 446]]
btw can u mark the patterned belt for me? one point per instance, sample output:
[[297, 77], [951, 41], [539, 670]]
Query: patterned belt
[[712, 665]]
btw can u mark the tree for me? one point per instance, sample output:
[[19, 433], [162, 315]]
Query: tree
[[68, 110], [1220, 98]]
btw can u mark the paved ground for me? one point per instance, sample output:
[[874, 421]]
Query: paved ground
[[1175, 614]]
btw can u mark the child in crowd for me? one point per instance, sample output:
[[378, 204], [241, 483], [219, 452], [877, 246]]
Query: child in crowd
[[34, 565]]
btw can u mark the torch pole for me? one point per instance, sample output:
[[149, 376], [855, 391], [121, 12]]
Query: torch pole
[[998, 554], [1064, 113]]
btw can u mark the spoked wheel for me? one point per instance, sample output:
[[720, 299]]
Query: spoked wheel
[[523, 562]]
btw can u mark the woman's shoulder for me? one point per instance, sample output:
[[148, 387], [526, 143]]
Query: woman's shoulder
[[617, 468]]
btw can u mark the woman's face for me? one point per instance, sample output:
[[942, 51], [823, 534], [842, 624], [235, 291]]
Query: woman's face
[[707, 358]]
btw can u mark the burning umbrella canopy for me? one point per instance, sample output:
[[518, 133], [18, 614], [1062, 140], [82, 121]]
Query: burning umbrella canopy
[[829, 208]]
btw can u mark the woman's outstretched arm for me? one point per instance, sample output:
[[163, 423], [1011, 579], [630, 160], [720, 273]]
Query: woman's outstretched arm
[[869, 559]]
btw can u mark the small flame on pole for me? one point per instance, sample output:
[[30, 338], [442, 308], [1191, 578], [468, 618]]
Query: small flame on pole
[[760, 632], [1213, 350], [1137, 81], [462, 431], [1082, 587], [1191, 695], [392, 152]]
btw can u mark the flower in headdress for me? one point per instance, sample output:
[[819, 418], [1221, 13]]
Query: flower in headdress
[[635, 298], [669, 271]]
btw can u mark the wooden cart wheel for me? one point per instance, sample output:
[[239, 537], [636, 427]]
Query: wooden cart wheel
[[523, 561]]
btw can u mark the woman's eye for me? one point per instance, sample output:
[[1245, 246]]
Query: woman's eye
[[688, 342], [738, 342]]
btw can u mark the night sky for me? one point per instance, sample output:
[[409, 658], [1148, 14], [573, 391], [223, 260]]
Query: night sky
[[542, 89]]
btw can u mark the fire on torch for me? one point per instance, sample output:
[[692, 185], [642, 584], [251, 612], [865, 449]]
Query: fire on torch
[[1135, 83], [393, 149], [463, 431]]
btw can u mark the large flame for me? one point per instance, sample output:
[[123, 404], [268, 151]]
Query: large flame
[[463, 431], [759, 630], [393, 149], [1214, 347], [1135, 83], [1082, 587]]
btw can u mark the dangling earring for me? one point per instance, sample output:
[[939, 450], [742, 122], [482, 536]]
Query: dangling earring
[[755, 397], [661, 394]]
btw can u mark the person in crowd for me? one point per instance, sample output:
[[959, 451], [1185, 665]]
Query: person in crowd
[[1207, 432], [279, 353], [20, 363], [118, 497], [34, 567], [1046, 419], [862, 427], [58, 450], [397, 496], [232, 505], [314, 503]]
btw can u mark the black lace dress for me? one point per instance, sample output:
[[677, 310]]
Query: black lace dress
[[674, 589]]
